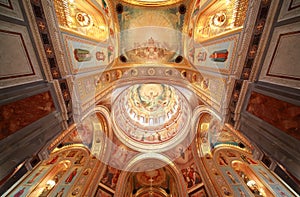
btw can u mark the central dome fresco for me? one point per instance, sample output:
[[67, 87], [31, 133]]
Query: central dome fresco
[[151, 104], [151, 117]]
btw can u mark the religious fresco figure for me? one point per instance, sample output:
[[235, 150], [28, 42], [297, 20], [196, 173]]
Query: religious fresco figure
[[219, 56], [242, 194], [201, 56], [111, 176], [71, 176], [75, 192], [100, 56], [230, 154], [225, 191], [248, 160], [231, 177], [20, 192], [71, 153], [86, 171], [83, 19], [264, 174], [79, 159], [82, 55], [182, 154], [60, 193], [46, 190], [222, 160], [53, 160], [35, 176], [152, 177], [191, 176]]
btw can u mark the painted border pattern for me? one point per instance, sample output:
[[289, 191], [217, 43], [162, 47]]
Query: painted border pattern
[[43, 28], [251, 54]]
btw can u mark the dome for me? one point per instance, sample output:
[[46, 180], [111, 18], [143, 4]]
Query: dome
[[151, 114]]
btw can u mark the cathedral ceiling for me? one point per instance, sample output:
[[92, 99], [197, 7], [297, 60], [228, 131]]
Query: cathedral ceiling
[[151, 63], [138, 69], [134, 44], [152, 2]]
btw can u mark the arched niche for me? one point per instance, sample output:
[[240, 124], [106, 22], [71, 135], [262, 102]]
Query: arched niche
[[151, 174], [94, 129], [205, 121], [213, 133], [69, 171]]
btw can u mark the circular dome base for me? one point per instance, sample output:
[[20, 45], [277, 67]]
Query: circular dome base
[[151, 117]]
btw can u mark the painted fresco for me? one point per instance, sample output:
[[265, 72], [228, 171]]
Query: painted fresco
[[212, 169], [212, 88], [72, 138], [82, 19], [110, 177], [191, 176], [185, 161], [253, 183], [158, 180], [149, 35], [205, 123], [85, 55], [217, 137], [219, 18], [112, 39], [156, 177], [19, 114], [212, 135], [217, 55], [282, 115], [181, 153], [150, 114], [120, 154], [91, 132], [232, 178]]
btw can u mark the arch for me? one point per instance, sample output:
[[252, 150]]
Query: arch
[[197, 114], [132, 75], [100, 139], [147, 162]]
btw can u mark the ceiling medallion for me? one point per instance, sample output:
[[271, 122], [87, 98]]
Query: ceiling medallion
[[152, 2], [151, 117]]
